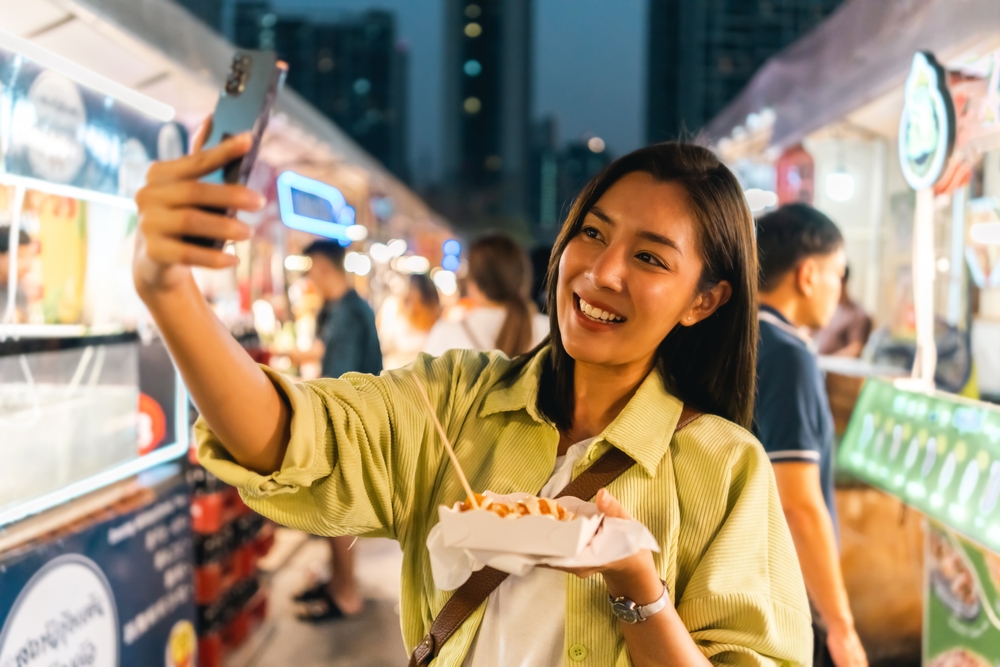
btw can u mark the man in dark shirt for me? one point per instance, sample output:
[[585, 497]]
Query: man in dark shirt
[[802, 263], [346, 341]]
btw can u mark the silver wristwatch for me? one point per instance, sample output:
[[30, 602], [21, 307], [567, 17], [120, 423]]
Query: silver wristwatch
[[629, 612]]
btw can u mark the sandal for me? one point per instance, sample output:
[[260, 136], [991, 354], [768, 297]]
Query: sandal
[[319, 608], [317, 592]]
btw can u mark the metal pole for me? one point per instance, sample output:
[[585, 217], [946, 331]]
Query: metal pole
[[925, 360]]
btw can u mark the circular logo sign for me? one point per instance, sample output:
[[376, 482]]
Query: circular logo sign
[[927, 126], [65, 615], [169, 142], [55, 136], [132, 168]]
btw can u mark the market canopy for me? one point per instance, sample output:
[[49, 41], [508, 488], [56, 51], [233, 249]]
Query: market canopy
[[159, 49], [860, 53]]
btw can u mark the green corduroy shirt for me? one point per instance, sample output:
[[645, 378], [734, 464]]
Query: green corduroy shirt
[[364, 459]]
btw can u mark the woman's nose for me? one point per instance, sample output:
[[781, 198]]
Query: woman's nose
[[608, 270]]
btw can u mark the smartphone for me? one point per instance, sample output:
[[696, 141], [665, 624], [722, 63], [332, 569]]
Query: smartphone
[[245, 102]]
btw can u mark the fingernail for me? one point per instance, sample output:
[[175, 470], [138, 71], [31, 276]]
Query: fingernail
[[261, 201]]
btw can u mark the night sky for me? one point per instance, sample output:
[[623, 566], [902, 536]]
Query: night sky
[[589, 58]]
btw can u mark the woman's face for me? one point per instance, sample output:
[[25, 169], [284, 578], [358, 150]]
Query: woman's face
[[631, 274]]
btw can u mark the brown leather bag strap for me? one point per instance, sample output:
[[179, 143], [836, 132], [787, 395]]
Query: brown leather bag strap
[[478, 587]]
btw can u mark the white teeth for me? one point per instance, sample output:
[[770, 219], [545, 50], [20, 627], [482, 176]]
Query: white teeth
[[598, 314]]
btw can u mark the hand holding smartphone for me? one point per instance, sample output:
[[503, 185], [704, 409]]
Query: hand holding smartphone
[[244, 105]]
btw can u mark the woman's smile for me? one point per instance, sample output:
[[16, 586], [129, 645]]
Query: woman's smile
[[595, 312]]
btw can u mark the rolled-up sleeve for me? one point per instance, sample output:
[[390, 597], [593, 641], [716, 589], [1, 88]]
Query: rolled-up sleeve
[[743, 599], [357, 445]]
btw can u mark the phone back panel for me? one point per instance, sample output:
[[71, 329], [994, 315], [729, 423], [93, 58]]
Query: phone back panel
[[244, 106]]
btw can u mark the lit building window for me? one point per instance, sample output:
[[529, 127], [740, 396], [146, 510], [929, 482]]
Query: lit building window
[[473, 68], [473, 11], [362, 86], [473, 30], [472, 105], [493, 163]]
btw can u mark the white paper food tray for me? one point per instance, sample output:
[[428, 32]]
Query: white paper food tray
[[532, 535]]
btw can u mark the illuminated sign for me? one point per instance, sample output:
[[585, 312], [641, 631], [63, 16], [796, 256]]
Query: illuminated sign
[[927, 126], [55, 130], [314, 207]]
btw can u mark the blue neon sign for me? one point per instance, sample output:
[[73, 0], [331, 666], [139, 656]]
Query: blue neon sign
[[314, 207]]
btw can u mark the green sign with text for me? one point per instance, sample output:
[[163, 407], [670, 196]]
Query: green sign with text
[[940, 454], [937, 452]]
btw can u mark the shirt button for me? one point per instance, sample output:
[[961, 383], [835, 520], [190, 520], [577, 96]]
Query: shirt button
[[577, 652]]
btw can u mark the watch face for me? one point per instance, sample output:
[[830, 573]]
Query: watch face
[[625, 610]]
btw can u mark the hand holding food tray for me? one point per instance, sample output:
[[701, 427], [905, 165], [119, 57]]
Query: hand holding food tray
[[516, 532]]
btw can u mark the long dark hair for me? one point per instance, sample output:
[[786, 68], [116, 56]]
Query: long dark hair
[[422, 304], [501, 270], [711, 365]]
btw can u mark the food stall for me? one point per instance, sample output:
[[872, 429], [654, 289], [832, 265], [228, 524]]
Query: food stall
[[94, 512], [900, 147], [101, 508]]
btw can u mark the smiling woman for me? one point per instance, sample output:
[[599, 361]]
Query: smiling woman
[[663, 240], [652, 304]]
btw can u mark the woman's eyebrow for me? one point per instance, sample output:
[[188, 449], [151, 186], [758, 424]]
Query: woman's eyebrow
[[601, 215], [659, 238], [645, 234]]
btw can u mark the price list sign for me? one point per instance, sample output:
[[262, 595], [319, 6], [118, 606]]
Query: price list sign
[[937, 452], [940, 454]]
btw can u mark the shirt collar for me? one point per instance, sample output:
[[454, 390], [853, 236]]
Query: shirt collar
[[773, 316], [521, 394], [764, 308], [642, 430]]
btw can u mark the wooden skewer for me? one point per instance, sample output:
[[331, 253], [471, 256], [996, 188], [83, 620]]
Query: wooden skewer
[[447, 444]]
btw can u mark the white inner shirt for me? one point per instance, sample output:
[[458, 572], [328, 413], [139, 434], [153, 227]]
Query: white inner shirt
[[513, 632]]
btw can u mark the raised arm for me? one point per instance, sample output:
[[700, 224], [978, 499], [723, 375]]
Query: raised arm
[[237, 400]]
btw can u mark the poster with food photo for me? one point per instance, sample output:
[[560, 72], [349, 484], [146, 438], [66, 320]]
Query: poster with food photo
[[962, 613]]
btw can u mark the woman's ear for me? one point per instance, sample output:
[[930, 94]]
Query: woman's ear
[[707, 303]]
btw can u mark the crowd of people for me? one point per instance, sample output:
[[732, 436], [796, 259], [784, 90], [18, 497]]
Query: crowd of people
[[669, 308]]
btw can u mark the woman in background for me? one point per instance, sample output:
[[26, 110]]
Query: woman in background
[[403, 325], [503, 316]]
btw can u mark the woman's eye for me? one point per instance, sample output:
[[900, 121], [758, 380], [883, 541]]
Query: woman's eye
[[649, 259], [591, 232]]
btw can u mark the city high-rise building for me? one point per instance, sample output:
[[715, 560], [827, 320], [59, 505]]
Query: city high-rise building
[[487, 106], [351, 68], [703, 52]]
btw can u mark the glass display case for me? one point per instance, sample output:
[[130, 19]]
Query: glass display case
[[79, 413], [66, 414]]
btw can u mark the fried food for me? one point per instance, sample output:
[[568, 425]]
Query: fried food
[[959, 657], [529, 506], [953, 570]]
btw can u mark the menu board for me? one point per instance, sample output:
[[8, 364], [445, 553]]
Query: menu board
[[115, 589], [937, 452], [962, 610]]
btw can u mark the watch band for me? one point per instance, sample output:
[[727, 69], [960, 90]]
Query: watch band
[[629, 612], [648, 610]]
